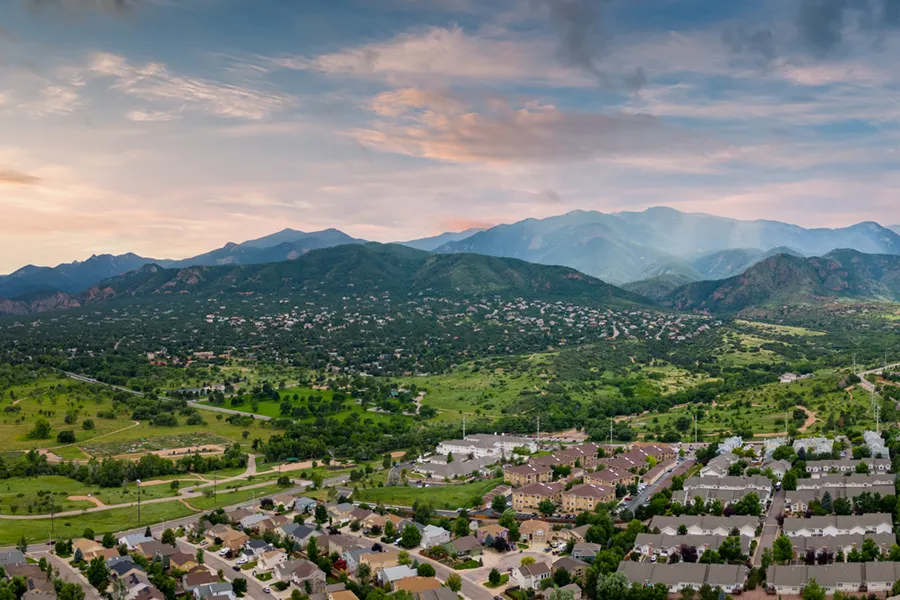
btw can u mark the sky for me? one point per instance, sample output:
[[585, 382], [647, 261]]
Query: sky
[[170, 127]]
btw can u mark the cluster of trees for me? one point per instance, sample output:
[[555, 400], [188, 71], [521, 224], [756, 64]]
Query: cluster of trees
[[111, 472], [13, 588]]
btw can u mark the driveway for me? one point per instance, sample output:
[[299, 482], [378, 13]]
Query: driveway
[[770, 527], [212, 560], [661, 484]]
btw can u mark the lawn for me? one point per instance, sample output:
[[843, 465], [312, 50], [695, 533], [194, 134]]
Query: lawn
[[447, 497], [24, 496], [226, 497]]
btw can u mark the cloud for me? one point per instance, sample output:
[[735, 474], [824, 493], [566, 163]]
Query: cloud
[[824, 26], [109, 6], [154, 82], [144, 116], [440, 126], [13, 177], [443, 53]]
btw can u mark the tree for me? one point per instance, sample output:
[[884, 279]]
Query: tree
[[558, 594], [70, 591], [411, 537], [789, 483], [321, 514], [98, 574], [827, 504], [613, 586], [108, 541], [88, 533], [174, 485], [730, 549], [528, 560], [239, 585], [22, 545], [454, 582], [546, 507], [498, 504], [862, 468], [425, 570], [494, 577], [461, 527], [812, 591], [562, 578], [67, 436], [895, 591], [782, 549], [364, 574], [168, 537], [842, 506], [41, 429], [688, 593], [200, 556], [312, 549], [79, 556]]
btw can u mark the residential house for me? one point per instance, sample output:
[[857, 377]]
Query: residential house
[[816, 468], [464, 546], [306, 575], [718, 467], [575, 567], [341, 595], [586, 551], [91, 549], [273, 523], [380, 560], [285, 500], [797, 501], [814, 445], [529, 577], [13, 557], [441, 593], [155, 550], [254, 548], [443, 470], [530, 496], [416, 585], [844, 577], [305, 505], [299, 533], [778, 468], [730, 444], [856, 480], [488, 533], [197, 578], [252, 521], [576, 533], [239, 514], [586, 497], [122, 566], [271, 559], [649, 544], [519, 475], [35, 579], [182, 561], [434, 536], [876, 444], [220, 589], [391, 575], [535, 531], [842, 543], [340, 512], [675, 577], [132, 540]]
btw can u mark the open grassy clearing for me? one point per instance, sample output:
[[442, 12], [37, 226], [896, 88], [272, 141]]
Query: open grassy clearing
[[225, 497], [763, 411], [771, 328], [35, 495], [448, 497]]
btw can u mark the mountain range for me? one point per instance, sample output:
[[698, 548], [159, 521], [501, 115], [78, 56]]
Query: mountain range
[[654, 251], [344, 269], [784, 279]]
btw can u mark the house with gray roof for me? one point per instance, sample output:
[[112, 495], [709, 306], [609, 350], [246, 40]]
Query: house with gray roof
[[705, 525], [730, 578], [833, 525], [13, 557]]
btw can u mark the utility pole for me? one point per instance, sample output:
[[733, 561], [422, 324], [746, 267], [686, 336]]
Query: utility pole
[[464, 427], [610, 431], [139, 500], [539, 430]]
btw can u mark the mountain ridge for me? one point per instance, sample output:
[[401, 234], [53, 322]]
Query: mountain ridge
[[341, 269]]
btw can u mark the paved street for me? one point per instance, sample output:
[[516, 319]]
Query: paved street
[[660, 484], [68, 574], [212, 560], [770, 527]]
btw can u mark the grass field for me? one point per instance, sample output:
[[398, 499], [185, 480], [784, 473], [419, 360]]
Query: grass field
[[780, 329], [763, 410], [227, 497], [32, 495], [448, 497]]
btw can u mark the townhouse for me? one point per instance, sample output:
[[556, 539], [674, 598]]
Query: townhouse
[[817, 468], [649, 544], [856, 480], [842, 543], [675, 577], [815, 445], [519, 475], [530, 496], [718, 467], [726, 497], [838, 525], [706, 525], [756, 483], [586, 497], [459, 468], [797, 501], [481, 445], [844, 577]]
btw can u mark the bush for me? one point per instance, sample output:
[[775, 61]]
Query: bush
[[87, 424], [66, 437]]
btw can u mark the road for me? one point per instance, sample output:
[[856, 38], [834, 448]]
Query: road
[[867, 385], [197, 405], [255, 589], [770, 527], [661, 483]]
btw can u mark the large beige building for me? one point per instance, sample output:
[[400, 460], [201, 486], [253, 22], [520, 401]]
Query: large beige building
[[520, 475], [586, 497], [530, 496]]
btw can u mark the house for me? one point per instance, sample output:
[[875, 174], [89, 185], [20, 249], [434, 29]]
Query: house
[[122, 566], [197, 578], [13, 557], [760, 484], [337, 543], [778, 468], [730, 578], [232, 539], [786, 579], [576, 568], [341, 595], [844, 577], [530, 496], [488, 533], [535, 531], [855, 480], [464, 546], [380, 560], [586, 551], [353, 558], [389, 576], [732, 443], [842, 543], [306, 575], [360, 514], [817, 468], [254, 548], [273, 523], [285, 571], [238, 514], [881, 576], [153, 550], [529, 577], [305, 505], [91, 550], [815, 445], [182, 561], [675, 577], [576, 533], [706, 525], [132, 540], [438, 469], [220, 589], [416, 585], [252, 521], [340, 512], [718, 467], [519, 475], [271, 559], [586, 497], [726, 497], [35, 579], [788, 378], [875, 443], [770, 445], [441, 593], [285, 500], [834, 525], [434, 536], [797, 501], [299, 533]]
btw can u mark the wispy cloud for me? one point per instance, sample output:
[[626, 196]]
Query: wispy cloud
[[13, 177], [155, 82]]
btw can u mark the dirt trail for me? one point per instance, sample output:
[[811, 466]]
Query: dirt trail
[[810, 419], [193, 508], [135, 424], [95, 501], [162, 481]]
